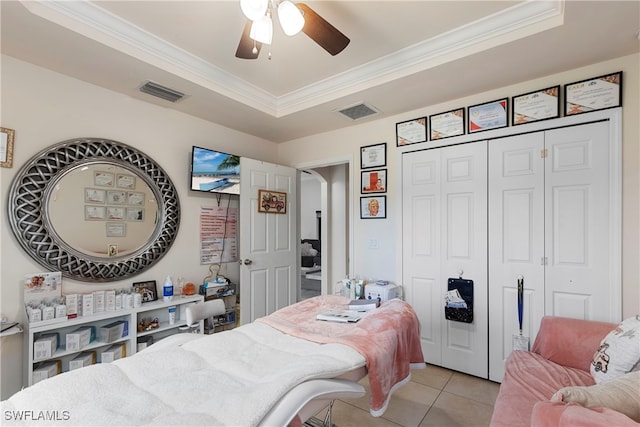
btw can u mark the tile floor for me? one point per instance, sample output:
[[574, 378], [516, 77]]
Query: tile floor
[[434, 397]]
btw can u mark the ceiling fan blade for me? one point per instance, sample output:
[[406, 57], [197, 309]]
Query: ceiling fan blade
[[322, 32], [246, 44]]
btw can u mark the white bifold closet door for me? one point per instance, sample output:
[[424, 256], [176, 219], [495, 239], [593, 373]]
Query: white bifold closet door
[[549, 221], [445, 236]]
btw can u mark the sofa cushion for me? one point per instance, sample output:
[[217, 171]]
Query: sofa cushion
[[619, 394], [530, 378], [558, 414], [570, 342], [619, 351]]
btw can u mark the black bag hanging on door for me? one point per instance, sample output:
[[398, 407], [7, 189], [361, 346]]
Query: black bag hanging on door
[[465, 289]]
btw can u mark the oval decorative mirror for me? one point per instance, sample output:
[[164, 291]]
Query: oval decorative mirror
[[97, 210]]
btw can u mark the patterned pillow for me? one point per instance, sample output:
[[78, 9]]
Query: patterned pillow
[[619, 351], [619, 394]]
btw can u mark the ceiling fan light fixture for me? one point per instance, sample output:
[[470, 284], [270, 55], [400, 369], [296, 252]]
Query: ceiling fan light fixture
[[290, 18], [262, 30], [254, 9]]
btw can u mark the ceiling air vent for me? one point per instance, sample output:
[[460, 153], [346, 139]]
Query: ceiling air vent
[[160, 91], [358, 111]]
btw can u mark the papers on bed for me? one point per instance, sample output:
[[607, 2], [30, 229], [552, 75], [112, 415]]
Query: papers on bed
[[342, 316], [363, 304], [356, 311]]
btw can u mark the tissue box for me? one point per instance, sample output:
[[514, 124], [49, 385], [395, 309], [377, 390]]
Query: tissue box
[[114, 331], [98, 301], [114, 352], [110, 300], [385, 292], [87, 305], [80, 338], [47, 370], [85, 358], [45, 346]]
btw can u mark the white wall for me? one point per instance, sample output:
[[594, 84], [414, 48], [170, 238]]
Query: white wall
[[309, 204], [336, 224], [384, 261], [45, 108]]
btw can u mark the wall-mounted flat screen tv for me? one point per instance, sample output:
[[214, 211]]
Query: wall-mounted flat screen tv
[[214, 171]]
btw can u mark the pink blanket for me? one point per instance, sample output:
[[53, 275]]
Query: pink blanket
[[388, 337]]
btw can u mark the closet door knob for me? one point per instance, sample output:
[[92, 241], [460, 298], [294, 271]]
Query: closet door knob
[[247, 262]]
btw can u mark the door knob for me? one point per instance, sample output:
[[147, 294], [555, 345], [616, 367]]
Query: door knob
[[247, 262]]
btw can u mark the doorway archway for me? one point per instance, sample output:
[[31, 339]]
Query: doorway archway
[[335, 219]]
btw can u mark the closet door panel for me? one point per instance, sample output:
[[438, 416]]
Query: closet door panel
[[464, 217], [421, 246], [578, 223], [516, 246]]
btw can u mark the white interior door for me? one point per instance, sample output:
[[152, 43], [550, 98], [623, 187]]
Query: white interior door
[[268, 241], [445, 235], [579, 225], [516, 241]]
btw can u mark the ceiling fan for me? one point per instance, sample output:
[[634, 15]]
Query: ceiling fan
[[293, 17]]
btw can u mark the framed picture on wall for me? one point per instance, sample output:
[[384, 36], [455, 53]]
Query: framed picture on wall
[[272, 202], [448, 124], [594, 94], [491, 115], [373, 181], [373, 207], [372, 156], [94, 213], [411, 131], [6, 147], [94, 195], [534, 106]]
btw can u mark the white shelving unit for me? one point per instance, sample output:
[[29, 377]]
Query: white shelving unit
[[156, 309]]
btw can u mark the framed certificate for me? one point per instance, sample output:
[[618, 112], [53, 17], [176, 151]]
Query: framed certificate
[[126, 181], [135, 198], [94, 213], [593, 94], [103, 179], [116, 229], [373, 156], [116, 197], [491, 115], [534, 106], [94, 195], [411, 131], [447, 124], [135, 214]]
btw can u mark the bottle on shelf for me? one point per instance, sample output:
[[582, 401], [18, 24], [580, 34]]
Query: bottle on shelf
[[167, 289]]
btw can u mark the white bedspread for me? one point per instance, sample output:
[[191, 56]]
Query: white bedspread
[[230, 378]]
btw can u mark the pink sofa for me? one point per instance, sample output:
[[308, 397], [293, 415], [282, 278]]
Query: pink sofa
[[560, 356]]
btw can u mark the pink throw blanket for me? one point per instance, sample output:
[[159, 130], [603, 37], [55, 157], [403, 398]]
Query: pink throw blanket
[[388, 337]]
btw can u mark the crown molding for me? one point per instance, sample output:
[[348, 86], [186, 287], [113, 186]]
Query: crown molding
[[104, 27], [510, 24]]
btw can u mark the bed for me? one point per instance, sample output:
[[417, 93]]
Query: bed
[[274, 371]]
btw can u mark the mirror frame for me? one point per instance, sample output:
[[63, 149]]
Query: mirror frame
[[29, 218]]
